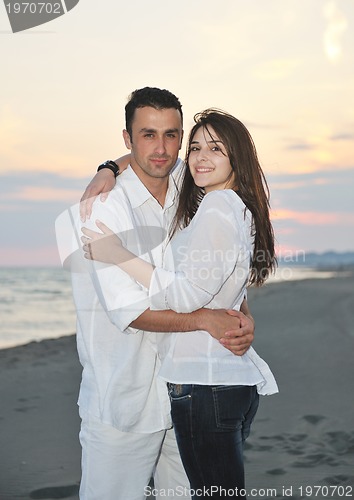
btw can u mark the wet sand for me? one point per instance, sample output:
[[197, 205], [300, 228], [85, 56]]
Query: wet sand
[[301, 438]]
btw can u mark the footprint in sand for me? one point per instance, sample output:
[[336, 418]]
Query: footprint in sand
[[24, 409], [294, 451], [314, 459], [297, 437], [55, 492], [340, 480], [342, 442], [313, 419]]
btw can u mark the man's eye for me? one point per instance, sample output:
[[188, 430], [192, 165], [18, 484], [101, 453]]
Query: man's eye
[[148, 135], [171, 136]]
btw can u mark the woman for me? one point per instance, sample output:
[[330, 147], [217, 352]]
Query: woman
[[225, 244]]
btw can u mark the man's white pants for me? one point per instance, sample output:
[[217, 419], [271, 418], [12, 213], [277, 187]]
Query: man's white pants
[[118, 465]]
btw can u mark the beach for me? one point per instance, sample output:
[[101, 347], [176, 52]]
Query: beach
[[302, 440]]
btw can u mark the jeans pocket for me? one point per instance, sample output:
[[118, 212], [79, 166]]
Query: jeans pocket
[[232, 405], [179, 392]]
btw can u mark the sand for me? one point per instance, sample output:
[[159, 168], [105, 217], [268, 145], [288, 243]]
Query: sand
[[39, 423], [302, 438]]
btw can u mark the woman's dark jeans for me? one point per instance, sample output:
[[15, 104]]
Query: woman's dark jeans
[[211, 424]]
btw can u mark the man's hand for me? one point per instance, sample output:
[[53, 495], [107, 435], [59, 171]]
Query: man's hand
[[103, 182], [233, 329]]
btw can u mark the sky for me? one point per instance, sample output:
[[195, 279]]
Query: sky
[[283, 67]]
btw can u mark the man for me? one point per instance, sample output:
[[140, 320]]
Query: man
[[126, 433]]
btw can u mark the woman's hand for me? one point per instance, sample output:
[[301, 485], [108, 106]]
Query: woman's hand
[[239, 341], [104, 247], [103, 182], [107, 247]]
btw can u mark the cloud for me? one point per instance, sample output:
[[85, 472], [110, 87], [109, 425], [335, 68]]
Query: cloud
[[43, 194], [40, 186], [314, 151], [288, 185], [337, 25], [342, 137], [43, 255], [313, 218], [300, 146], [30, 203], [321, 192]]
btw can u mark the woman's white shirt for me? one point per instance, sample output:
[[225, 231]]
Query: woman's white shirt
[[207, 264]]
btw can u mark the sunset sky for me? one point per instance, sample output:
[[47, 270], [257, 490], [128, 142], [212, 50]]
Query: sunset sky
[[283, 67]]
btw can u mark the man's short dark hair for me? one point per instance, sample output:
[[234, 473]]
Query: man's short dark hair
[[153, 97]]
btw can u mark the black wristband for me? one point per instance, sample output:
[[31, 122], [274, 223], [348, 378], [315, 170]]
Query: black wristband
[[111, 165]]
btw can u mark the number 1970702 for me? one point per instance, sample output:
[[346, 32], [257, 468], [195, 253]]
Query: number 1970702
[[326, 491], [34, 8]]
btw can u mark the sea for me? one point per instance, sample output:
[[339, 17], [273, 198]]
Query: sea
[[36, 303]]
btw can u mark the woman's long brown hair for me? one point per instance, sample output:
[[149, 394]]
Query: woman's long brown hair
[[251, 186]]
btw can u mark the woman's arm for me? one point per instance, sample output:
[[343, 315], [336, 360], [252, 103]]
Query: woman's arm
[[102, 183], [208, 259], [107, 247], [236, 333], [232, 328]]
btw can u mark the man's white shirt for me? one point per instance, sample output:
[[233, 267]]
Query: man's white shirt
[[120, 364]]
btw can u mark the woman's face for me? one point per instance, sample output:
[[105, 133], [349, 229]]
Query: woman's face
[[208, 161]]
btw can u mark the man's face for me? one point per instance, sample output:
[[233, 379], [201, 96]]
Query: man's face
[[155, 142]]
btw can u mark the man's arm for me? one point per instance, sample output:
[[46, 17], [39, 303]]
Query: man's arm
[[217, 322]]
